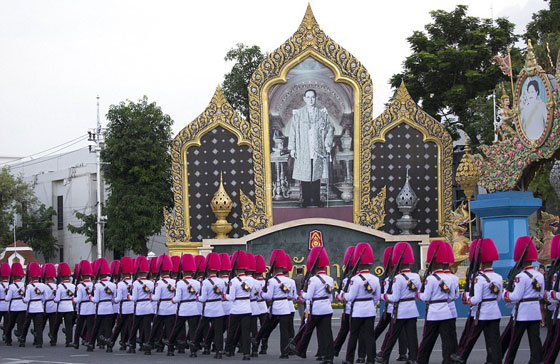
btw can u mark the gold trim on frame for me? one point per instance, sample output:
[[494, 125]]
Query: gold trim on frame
[[310, 41], [403, 109], [218, 113]]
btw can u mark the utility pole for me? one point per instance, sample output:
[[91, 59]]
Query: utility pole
[[96, 136]]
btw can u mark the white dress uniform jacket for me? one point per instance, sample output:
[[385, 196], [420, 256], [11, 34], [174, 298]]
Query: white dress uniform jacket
[[483, 298], [122, 300], [255, 308], [226, 305], [164, 292], [50, 293], [142, 289], [82, 299], [15, 295], [279, 291], [451, 302], [389, 305], [103, 295], [62, 299], [185, 297], [404, 288], [211, 294], [259, 283], [34, 297], [436, 298], [338, 296], [525, 296], [3, 292], [319, 292], [363, 301], [240, 294]]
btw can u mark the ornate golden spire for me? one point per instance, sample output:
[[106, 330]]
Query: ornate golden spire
[[531, 60], [221, 205], [467, 177]]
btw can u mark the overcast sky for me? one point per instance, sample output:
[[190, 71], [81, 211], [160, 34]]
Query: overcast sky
[[56, 56]]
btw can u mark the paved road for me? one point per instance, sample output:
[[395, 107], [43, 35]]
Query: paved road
[[62, 355]]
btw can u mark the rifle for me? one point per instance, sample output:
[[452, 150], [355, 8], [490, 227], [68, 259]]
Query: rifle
[[470, 271], [476, 267], [308, 274], [554, 267], [179, 271], [428, 272], [232, 272], [344, 273], [269, 274], [516, 269], [396, 269], [386, 272], [353, 271]]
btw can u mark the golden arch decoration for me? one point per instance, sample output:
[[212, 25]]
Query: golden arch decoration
[[309, 41], [218, 113], [403, 109]]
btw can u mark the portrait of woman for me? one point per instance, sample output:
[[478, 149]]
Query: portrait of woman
[[532, 105]]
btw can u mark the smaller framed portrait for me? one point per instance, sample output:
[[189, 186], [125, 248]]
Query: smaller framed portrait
[[533, 94]]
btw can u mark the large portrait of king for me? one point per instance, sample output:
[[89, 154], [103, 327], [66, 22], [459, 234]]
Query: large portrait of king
[[311, 125]]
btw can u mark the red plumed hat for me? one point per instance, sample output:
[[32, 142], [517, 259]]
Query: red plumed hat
[[400, 247], [94, 266], [154, 265], [175, 260], [77, 269], [17, 270], [187, 263], [105, 270], [489, 253], [34, 269], [449, 256], [213, 261], [64, 269], [261, 264], [127, 265], [472, 248], [225, 262], [165, 262], [280, 260], [386, 255], [85, 268], [5, 270], [242, 260], [200, 259], [142, 264], [363, 249], [317, 252], [288, 261], [520, 245], [251, 262], [441, 255], [115, 265], [49, 270], [348, 254], [555, 247]]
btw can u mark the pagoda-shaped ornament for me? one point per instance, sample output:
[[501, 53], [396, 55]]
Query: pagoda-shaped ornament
[[406, 203], [221, 206]]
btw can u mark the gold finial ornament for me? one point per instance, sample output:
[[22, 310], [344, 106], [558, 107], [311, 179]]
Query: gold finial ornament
[[221, 205], [531, 60], [467, 177]]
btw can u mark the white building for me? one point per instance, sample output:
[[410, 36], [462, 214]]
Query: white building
[[68, 183]]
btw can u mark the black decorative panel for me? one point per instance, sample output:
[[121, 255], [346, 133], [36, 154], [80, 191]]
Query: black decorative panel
[[218, 152], [404, 146]]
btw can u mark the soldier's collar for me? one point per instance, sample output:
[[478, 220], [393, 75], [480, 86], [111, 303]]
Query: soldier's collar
[[405, 270], [17, 280], [165, 277], [260, 279], [225, 275], [5, 281], [363, 271], [488, 270], [438, 271], [447, 271], [86, 280], [34, 281], [241, 275], [279, 275], [213, 276], [528, 268], [321, 272], [143, 278], [187, 277], [104, 280], [68, 281]]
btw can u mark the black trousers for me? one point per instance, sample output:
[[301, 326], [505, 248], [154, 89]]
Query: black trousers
[[343, 333], [14, 317], [468, 326], [361, 328], [505, 338], [38, 322], [491, 329], [142, 324], [122, 328], [82, 322], [68, 318], [102, 325], [311, 191], [239, 324], [50, 318], [178, 333], [324, 336], [202, 330], [286, 326], [4, 320], [405, 331], [533, 333], [553, 346], [162, 326], [433, 329]]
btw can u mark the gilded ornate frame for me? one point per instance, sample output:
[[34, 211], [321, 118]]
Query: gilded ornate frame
[[218, 113], [309, 41], [403, 109]]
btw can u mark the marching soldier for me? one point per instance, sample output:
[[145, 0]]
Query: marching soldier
[[34, 299], [16, 307], [142, 290], [255, 307], [552, 342], [470, 318], [486, 314], [65, 292], [103, 295], [213, 311], [527, 292], [165, 309], [4, 284], [363, 295], [49, 272], [345, 319], [262, 307], [124, 304], [239, 292], [319, 293], [437, 291], [455, 294], [84, 308], [403, 297]]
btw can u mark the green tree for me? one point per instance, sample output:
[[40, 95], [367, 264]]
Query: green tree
[[136, 151], [235, 84], [543, 29], [87, 229], [36, 230], [451, 67], [14, 194]]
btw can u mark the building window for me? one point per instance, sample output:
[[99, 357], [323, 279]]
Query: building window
[[59, 212], [61, 252]]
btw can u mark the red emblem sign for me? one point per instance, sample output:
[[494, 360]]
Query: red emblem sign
[[315, 239]]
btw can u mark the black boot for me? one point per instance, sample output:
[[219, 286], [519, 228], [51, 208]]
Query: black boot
[[264, 346], [218, 355], [246, 357]]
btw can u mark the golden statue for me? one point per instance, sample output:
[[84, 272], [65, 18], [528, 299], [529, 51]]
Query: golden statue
[[221, 205], [459, 220], [549, 225], [505, 129]]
